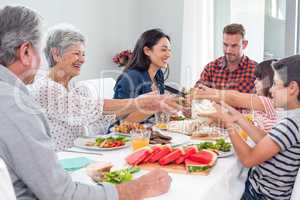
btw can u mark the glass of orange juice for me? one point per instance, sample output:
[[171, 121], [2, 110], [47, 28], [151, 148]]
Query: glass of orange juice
[[140, 138], [243, 134], [161, 120]]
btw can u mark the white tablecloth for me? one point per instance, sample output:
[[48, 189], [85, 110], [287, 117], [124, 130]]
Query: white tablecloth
[[223, 182]]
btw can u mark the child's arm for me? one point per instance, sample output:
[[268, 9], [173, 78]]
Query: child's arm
[[284, 135], [231, 97], [265, 149], [230, 115], [256, 134]]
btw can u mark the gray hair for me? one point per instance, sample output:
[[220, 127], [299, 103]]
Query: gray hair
[[18, 25], [61, 37]]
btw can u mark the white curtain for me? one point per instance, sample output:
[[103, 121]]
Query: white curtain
[[197, 39]]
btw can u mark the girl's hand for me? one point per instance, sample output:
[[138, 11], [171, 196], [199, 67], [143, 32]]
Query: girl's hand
[[224, 112]]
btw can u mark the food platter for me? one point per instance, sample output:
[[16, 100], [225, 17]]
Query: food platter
[[222, 154], [82, 142], [221, 146]]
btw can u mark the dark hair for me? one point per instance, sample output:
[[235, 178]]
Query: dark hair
[[289, 70], [265, 73], [234, 28], [140, 60]]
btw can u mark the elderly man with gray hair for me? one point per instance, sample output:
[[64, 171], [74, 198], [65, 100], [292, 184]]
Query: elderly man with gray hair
[[25, 144]]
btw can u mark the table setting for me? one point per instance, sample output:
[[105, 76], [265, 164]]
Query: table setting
[[222, 178]]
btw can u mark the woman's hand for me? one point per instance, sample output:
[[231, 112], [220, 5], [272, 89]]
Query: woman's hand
[[155, 92], [159, 103]]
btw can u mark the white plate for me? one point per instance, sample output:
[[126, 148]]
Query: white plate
[[223, 154], [123, 134], [112, 130], [177, 139], [81, 143]]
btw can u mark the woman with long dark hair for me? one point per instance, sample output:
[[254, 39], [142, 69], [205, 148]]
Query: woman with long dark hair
[[144, 72]]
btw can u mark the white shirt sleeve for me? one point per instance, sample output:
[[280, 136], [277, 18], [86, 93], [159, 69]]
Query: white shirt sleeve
[[6, 189]]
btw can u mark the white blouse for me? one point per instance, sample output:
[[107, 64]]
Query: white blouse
[[68, 111]]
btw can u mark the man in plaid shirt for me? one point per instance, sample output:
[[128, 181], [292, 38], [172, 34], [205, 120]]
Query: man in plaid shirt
[[234, 70]]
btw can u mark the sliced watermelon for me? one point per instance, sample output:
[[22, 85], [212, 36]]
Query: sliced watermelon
[[175, 154], [180, 160], [166, 149], [156, 149], [204, 157], [188, 151], [192, 166], [138, 156]]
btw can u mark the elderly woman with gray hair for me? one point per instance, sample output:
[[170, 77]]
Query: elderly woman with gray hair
[[67, 109]]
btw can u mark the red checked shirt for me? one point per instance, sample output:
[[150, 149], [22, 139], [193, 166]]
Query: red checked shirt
[[217, 75]]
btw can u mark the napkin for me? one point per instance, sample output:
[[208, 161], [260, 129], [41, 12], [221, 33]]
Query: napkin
[[73, 164]]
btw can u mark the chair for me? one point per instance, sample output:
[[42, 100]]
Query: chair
[[6, 187], [102, 88]]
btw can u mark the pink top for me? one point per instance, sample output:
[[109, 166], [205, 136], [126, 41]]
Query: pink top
[[266, 120]]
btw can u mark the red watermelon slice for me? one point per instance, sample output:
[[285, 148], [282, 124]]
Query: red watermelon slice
[[166, 149], [188, 151], [156, 149], [138, 156], [194, 167], [204, 157], [171, 156]]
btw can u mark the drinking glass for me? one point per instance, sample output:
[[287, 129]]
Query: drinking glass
[[139, 138], [162, 119], [100, 127]]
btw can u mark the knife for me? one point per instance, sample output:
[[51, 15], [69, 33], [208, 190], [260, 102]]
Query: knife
[[174, 91]]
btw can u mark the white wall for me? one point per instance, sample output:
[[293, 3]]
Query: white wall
[[108, 25], [222, 18], [113, 25], [197, 41], [275, 49], [167, 15], [251, 14]]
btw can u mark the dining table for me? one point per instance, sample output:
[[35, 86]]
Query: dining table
[[225, 181]]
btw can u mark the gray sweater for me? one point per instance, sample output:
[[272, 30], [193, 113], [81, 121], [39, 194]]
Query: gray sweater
[[26, 149]]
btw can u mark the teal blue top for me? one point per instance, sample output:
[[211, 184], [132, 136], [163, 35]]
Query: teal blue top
[[134, 82]]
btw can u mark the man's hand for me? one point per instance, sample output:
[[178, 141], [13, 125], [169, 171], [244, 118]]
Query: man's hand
[[154, 183]]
